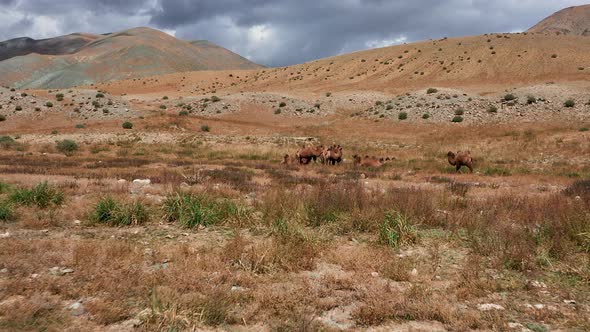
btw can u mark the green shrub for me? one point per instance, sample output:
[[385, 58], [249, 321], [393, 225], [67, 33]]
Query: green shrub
[[67, 147], [165, 98], [59, 96], [49, 104], [457, 119], [584, 129], [42, 195], [191, 210], [80, 126], [509, 97], [397, 230], [205, 128], [6, 213], [18, 108], [108, 211], [389, 107], [99, 95], [2, 117], [431, 90], [569, 103], [492, 109], [531, 100], [328, 94], [215, 99], [7, 142], [127, 125], [163, 107], [282, 104], [425, 116], [459, 111], [183, 113], [402, 116]]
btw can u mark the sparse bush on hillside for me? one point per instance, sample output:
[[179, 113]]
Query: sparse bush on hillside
[[431, 90], [7, 142], [215, 99], [67, 147], [584, 129], [328, 94], [192, 210], [425, 116], [49, 104], [165, 98], [183, 113], [278, 111], [99, 95], [2, 117], [402, 116], [80, 126], [457, 119], [531, 100], [127, 125], [389, 107], [554, 56], [492, 109], [205, 128], [282, 104], [6, 212], [163, 107], [459, 111], [509, 97], [18, 108], [569, 103]]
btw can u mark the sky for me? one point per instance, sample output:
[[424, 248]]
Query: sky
[[279, 32]]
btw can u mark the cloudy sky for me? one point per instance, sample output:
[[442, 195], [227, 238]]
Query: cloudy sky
[[279, 32]]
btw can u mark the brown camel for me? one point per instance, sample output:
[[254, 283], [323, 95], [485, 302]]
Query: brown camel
[[307, 154], [366, 161], [333, 155], [461, 158]]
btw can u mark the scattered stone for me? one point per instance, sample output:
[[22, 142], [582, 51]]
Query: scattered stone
[[489, 306], [142, 182], [375, 274], [60, 271], [537, 284], [414, 272], [77, 222], [572, 302], [121, 181], [4, 270], [77, 308], [237, 289], [5, 235]]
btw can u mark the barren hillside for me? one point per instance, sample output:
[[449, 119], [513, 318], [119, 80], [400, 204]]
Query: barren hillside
[[128, 54], [568, 21]]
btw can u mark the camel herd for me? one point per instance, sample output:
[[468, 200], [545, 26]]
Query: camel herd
[[332, 155]]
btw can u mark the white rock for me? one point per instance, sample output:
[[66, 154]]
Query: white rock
[[77, 222], [237, 288], [489, 306], [121, 181], [5, 235], [374, 274], [572, 302], [539, 306], [143, 182], [76, 308], [4, 270], [414, 272]]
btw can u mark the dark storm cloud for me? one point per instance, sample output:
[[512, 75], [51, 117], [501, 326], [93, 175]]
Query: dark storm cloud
[[280, 32]]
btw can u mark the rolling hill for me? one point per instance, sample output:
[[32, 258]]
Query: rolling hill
[[568, 21], [133, 53]]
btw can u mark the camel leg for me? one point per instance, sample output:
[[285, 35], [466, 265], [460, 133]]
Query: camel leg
[[458, 168]]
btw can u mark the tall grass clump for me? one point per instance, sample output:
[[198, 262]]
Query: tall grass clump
[[109, 211], [6, 212], [192, 210], [67, 147], [397, 230], [42, 195]]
